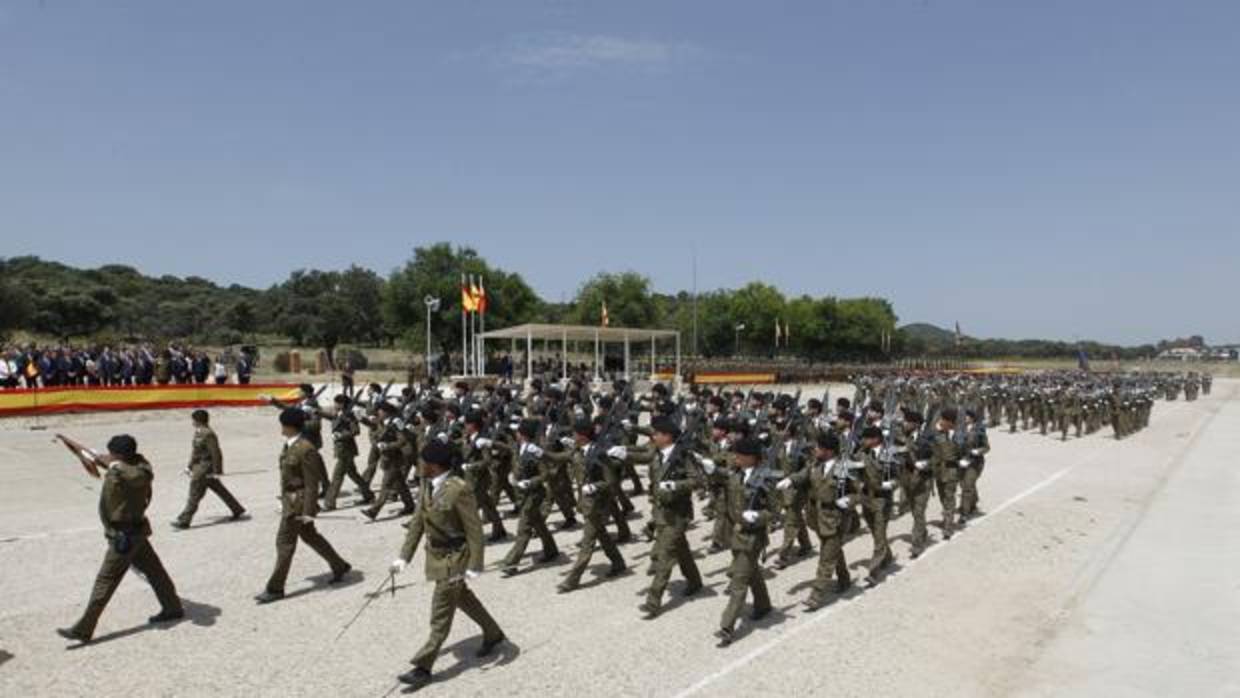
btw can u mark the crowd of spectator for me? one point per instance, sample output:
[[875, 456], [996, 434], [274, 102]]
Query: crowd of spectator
[[33, 366]]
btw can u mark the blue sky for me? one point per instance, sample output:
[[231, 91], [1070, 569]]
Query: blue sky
[[1051, 168]]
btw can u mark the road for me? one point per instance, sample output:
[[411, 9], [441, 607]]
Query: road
[[1099, 568]]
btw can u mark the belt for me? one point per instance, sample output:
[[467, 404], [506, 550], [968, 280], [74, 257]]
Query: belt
[[450, 545]]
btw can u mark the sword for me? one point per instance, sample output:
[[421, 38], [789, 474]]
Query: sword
[[369, 598]]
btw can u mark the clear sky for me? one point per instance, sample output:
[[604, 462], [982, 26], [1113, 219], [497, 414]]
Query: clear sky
[[1034, 168]]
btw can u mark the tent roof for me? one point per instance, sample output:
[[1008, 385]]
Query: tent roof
[[579, 333]]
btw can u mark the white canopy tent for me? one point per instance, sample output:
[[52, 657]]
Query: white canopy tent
[[584, 333]]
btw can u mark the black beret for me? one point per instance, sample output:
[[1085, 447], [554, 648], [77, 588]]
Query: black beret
[[748, 447], [123, 445], [814, 403], [949, 414], [475, 418], [376, 387], [871, 433], [200, 416], [584, 427], [340, 399], [462, 385], [306, 388], [846, 416], [554, 393], [437, 453], [844, 402], [386, 406], [429, 414], [829, 441], [877, 407], [606, 402], [913, 417], [665, 425], [716, 401], [659, 389], [722, 423], [528, 429], [971, 414], [292, 417]]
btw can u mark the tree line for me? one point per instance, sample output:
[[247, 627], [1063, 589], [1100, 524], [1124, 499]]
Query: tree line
[[357, 306]]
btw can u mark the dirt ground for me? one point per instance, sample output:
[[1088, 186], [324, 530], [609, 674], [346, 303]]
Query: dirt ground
[[1099, 568]]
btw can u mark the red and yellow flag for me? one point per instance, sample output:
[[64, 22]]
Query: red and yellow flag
[[480, 298], [469, 302], [605, 320]]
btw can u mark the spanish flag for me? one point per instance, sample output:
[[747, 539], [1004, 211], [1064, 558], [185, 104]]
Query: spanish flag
[[479, 296], [605, 321], [469, 303]]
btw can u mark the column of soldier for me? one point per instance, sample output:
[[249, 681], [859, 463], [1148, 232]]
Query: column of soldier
[[764, 463]]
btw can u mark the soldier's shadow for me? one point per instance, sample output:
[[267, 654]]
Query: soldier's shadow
[[777, 615], [323, 581], [464, 651], [199, 614]]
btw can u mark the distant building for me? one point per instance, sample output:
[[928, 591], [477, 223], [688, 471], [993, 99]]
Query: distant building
[[1181, 354]]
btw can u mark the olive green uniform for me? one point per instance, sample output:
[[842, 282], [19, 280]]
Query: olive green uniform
[[595, 501], [448, 518], [300, 469], [745, 491], [345, 430], [206, 464], [673, 512], [123, 501], [533, 467], [393, 445]]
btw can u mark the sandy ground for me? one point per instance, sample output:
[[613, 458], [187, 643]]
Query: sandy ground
[[1100, 568]]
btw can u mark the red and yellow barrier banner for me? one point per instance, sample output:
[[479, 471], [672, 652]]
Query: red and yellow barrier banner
[[139, 397], [733, 378]]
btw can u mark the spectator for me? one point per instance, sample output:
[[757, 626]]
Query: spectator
[[221, 371]]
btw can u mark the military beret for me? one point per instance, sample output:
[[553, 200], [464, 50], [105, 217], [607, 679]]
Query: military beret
[[200, 416], [340, 399], [843, 402], [814, 403], [949, 414], [913, 417], [376, 387], [429, 413], [871, 433], [475, 418], [386, 406], [846, 416], [716, 401], [829, 441], [606, 402], [877, 407], [292, 417], [462, 385], [528, 429], [306, 388], [748, 447], [665, 425], [453, 407], [438, 453], [123, 445], [554, 393], [659, 389], [722, 423], [585, 427], [971, 414]]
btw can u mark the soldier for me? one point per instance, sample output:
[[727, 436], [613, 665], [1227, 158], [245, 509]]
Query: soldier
[[448, 516], [476, 451], [918, 482], [977, 445], [530, 477], [300, 466], [392, 442], [308, 403], [672, 484], [594, 499], [945, 462], [876, 501], [344, 446], [206, 465], [830, 487], [748, 501], [792, 459], [123, 500]]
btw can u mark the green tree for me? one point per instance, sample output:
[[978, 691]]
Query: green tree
[[630, 302]]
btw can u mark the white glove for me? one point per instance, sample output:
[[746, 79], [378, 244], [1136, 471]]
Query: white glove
[[443, 437], [382, 446], [398, 565], [626, 423], [921, 464], [523, 485], [469, 466], [753, 422], [963, 462], [535, 451], [512, 479], [750, 516], [976, 451], [842, 502], [618, 452], [471, 574], [784, 484], [889, 484], [708, 465], [588, 488], [667, 486], [482, 442], [567, 442]]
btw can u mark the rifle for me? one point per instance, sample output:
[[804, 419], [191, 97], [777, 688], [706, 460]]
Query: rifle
[[91, 461]]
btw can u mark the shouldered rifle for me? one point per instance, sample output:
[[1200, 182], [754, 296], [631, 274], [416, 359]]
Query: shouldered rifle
[[92, 462]]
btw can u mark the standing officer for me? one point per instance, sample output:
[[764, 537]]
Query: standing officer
[[747, 501], [448, 515], [672, 486], [123, 500], [206, 464], [300, 465]]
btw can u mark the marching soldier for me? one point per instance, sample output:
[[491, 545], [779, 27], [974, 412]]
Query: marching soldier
[[977, 445], [309, 405], [123, 500], [448, 517], [392, 441], [344, 446], [918, 482], [672, 486], [530, 476], [594, 498], [476, 451], [831, 488], [945, 462], [876, 502], [206, 465], [748, 501], [300, 468]]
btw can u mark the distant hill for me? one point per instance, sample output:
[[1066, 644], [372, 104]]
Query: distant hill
[[930, 334]]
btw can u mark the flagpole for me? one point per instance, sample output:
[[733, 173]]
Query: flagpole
[[464, 329], [482, 325]]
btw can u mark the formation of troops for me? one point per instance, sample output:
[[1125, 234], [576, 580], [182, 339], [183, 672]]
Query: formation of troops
[[771, 472]]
